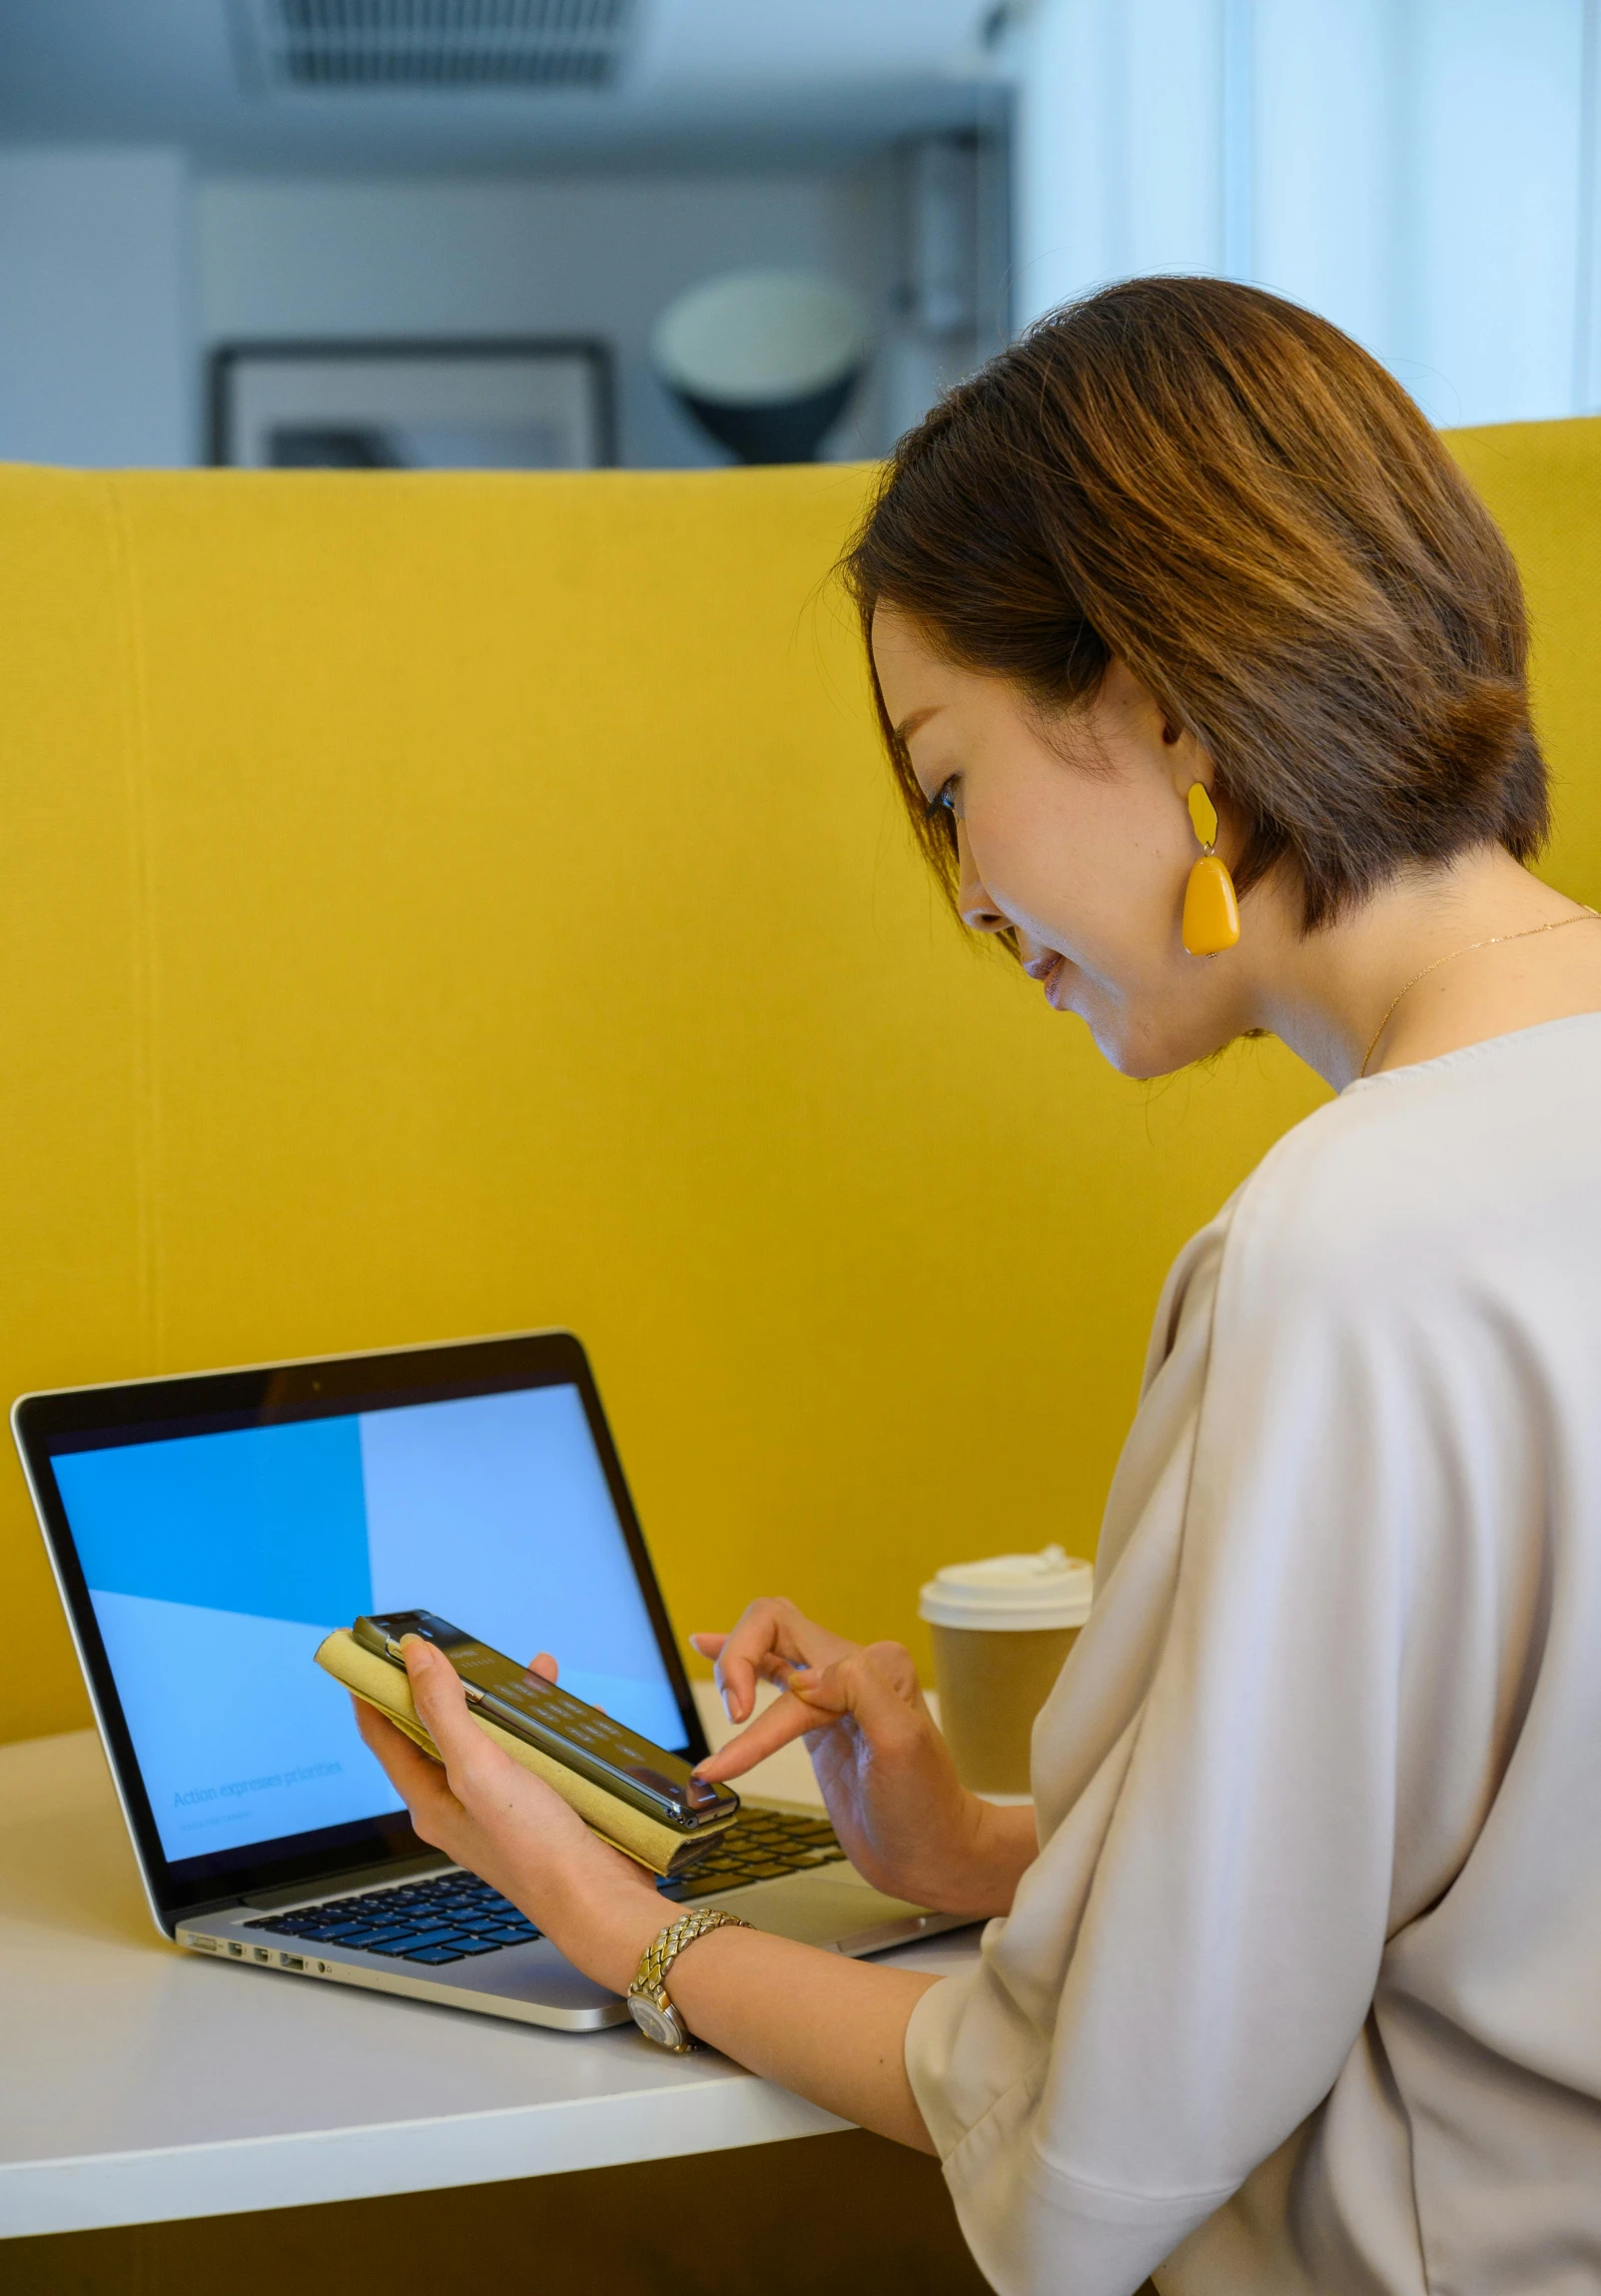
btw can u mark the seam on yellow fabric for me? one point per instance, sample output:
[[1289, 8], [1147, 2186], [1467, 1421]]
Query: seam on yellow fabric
[[142, 936]]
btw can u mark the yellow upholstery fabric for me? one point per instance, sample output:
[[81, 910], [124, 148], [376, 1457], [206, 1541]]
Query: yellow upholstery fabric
[[1542, 481], [444, 905]]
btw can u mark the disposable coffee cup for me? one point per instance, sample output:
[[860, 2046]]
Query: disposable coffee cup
[[1002, 1632]]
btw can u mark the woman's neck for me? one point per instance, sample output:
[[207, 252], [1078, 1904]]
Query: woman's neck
[[1351, 991]]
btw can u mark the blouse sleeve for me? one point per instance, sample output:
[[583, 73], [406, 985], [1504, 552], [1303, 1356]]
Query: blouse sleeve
[[1192, 1957]]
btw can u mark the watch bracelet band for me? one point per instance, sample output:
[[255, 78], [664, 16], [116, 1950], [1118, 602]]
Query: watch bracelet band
[[664, 1948]]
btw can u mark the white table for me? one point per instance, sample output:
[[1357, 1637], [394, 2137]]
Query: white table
[[139, 2084]]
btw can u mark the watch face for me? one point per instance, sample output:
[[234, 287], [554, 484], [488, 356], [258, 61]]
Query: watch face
[[659, 2026]]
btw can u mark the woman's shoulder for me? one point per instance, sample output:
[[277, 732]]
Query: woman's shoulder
[[1410, 1177]]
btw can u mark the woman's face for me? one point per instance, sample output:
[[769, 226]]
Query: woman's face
[[1074, 831]]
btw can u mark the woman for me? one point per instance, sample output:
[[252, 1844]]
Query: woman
[[1299, 1981]]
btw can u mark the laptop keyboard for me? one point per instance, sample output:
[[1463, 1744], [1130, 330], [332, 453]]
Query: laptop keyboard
[[760, 1845], [456, 1917], [448, 1919]]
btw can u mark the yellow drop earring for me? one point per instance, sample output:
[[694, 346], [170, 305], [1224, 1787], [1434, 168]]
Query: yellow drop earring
[[1212, 912]]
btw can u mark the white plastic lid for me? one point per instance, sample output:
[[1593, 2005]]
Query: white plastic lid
[[1011, 1594]]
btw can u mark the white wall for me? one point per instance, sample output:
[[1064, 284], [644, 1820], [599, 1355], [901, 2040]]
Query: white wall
[[587, 256], [1421, 171], [96, 332], [118, 272]]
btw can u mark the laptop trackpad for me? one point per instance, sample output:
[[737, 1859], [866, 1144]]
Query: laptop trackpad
[[826, 1907]]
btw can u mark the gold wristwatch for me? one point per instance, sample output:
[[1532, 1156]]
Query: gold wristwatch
[[648, 2003]]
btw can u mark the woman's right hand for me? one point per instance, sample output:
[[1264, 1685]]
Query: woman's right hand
[[903, 1817]]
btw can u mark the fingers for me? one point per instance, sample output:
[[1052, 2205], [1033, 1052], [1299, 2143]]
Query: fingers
[[787, 1719], [770, 1637], [403, 1760], [877, 1687], [762, 1634], [736, 1677], [880, 1687], [441, 1707], [816, 1696], [544, 1666], [420, 1783]]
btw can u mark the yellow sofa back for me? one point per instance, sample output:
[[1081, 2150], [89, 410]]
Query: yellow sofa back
[[445, 905]]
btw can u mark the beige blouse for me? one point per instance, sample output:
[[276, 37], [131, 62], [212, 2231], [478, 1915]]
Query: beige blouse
[[1304, 1990]]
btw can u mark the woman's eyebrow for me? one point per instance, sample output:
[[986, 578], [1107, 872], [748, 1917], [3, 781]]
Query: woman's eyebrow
[[917, 719]]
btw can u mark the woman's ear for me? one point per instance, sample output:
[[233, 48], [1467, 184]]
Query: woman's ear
[[1188, 761]]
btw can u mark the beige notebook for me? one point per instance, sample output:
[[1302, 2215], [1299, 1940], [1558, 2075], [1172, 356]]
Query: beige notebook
[[641, 1837]]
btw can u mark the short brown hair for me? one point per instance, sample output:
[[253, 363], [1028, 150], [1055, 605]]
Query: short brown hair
[[1231, 496]]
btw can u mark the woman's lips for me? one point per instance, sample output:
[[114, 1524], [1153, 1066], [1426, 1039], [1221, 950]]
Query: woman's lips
[[1048, 970]]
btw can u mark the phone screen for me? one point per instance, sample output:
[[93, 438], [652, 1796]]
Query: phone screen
[[565, 1727]]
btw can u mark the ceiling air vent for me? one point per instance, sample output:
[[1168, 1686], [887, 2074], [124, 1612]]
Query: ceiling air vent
[[439, 44]]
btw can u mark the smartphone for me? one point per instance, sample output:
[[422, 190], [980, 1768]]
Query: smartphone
[[619, 1761]]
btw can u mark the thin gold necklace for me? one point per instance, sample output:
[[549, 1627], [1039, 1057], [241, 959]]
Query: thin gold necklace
[[1529, 933]]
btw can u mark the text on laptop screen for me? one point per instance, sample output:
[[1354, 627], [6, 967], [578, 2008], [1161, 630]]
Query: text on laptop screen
[[218, 1562]]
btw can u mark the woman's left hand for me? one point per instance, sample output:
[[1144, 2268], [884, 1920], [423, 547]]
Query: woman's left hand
[[490, 1814], [831, 2028]]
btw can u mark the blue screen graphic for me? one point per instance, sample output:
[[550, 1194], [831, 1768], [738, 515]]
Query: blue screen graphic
[[217, 1563]]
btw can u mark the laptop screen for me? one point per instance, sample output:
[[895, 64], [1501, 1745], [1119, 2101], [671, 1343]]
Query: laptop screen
[[214, 1561]]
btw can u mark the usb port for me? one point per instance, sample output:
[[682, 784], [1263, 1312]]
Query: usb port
[[291, 1960]]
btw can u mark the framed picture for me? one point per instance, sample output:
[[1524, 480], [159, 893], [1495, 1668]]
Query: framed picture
[[428, 405]]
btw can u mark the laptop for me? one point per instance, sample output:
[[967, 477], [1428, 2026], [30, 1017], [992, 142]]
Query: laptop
[[207, 1532]]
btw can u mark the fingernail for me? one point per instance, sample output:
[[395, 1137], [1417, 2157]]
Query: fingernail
[[727, 1697]]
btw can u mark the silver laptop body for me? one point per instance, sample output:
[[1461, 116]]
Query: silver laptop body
[[206, 1531]]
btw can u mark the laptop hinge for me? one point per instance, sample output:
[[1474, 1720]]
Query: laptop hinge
[[313, 1885], [358, 1877]]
